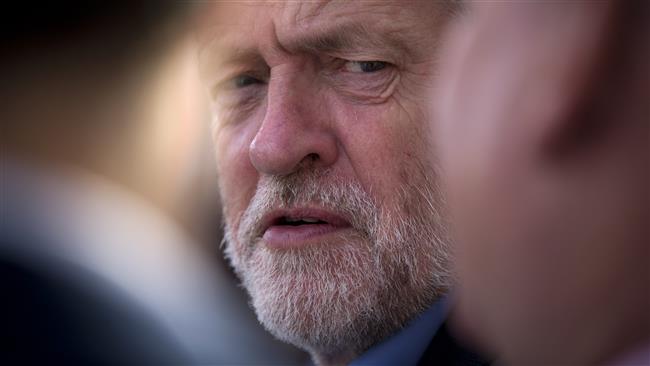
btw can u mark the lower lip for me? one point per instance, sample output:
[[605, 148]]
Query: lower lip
[[287, 236]]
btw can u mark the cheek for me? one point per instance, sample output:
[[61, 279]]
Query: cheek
[[236, 175], [380, 142]]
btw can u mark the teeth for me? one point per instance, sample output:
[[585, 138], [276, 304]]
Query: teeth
[[305, 219]]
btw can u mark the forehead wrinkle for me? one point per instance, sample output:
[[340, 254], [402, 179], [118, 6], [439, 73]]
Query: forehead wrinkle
[[331, 26], [316, 8], [300, 28], [348, 37]]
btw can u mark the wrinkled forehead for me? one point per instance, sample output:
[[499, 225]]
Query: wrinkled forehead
[[285, 19], [233, 26]]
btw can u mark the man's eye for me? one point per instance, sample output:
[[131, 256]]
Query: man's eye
[[364, 66], [242, 81]]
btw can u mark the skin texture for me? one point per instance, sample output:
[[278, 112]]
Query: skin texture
[[298, 123], [543, 130]]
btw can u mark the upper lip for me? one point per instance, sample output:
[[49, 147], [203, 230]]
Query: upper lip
[[274, 217]]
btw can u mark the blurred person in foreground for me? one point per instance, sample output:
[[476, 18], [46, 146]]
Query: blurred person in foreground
[[333, 216], [544, 126], [100, 127]]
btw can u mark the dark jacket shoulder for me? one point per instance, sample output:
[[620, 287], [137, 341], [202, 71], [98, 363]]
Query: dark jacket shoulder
[[445, 350]]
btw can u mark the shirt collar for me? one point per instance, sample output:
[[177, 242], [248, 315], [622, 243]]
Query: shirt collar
[[408, 345]]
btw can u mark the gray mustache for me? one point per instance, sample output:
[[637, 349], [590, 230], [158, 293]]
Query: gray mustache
[[346, 198]]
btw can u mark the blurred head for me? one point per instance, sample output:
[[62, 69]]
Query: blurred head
[[108, 87], [544, 139], [326, 173]]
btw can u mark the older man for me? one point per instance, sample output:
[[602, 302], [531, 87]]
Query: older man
[[545, 149], [332, 212]]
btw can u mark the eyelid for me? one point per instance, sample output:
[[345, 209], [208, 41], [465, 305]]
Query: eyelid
[[362, 87], [239, 79], [260, 76], [348, 66], [390, 58], [228, 76]]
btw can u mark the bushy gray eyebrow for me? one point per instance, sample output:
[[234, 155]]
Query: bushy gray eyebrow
[[346, 37]]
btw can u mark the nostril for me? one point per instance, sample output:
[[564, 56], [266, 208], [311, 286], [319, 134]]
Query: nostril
[[309, 161]]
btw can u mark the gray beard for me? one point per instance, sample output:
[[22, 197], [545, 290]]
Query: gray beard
[[343, 296]]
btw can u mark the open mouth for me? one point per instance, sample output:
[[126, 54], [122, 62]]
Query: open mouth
[[299, 221], [291, 228]]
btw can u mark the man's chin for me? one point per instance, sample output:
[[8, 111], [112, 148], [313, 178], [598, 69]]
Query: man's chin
[[316, 296], [317, 319]]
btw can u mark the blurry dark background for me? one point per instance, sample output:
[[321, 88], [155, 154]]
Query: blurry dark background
[[110, 242], [94, 84]]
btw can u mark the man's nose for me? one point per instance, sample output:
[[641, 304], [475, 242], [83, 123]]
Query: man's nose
[[296, 130]]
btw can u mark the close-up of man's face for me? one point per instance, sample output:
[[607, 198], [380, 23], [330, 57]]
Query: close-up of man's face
[[326, 182], [326, 172]]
